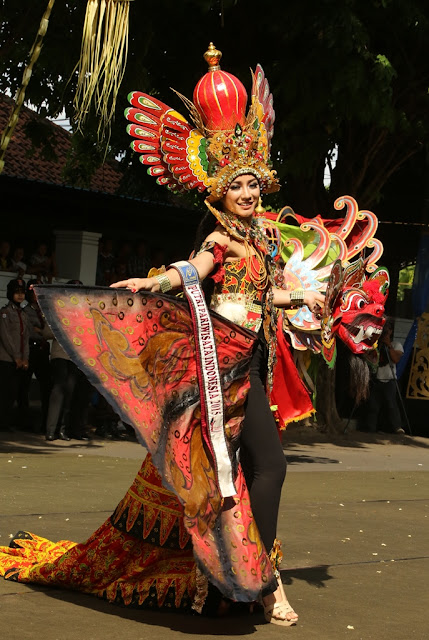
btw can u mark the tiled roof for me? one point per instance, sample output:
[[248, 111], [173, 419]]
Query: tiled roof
[[21, 162]]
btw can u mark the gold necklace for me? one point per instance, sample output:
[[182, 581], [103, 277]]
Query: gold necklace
[[252, 238]]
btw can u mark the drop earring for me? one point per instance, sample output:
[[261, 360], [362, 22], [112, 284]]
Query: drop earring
[[259, 209]]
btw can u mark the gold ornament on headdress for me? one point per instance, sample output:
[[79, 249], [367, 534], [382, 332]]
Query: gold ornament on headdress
[[212, 56], [236, 153]]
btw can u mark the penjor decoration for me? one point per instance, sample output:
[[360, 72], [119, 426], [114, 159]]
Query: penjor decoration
[[102, 60]]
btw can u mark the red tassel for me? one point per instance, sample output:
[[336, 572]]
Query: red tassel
[[218, 254]]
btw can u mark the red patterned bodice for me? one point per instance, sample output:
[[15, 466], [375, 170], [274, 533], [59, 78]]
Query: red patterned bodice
[[235, 295]]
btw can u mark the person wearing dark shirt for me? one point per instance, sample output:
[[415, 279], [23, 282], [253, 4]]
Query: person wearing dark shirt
[[105, 274], [14, 348], [139, 262], [384, 386], [38, 363], [5, 262]]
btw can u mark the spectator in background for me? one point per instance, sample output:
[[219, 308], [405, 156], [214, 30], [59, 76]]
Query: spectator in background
[[122, 260], [105, 274], [38, 362], [158, 258], [5, 261], [70, 396], [384, 388], [17, 261], [14, 348], [139, 261], [106, 422], [41, 264]]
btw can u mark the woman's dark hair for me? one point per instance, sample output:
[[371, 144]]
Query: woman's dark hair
[[206, 227], [352, 379]]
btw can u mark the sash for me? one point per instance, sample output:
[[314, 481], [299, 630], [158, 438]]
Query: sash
[[212, 410]]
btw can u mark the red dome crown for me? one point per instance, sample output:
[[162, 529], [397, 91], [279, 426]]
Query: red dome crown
[[219, 97]]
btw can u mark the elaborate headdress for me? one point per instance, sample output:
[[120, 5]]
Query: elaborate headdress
[[223, 143]]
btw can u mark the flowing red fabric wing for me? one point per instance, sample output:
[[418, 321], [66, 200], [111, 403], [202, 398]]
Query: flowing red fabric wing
[[289, 393], [138, 350]]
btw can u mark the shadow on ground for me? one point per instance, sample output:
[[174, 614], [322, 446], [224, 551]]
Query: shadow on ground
[[309, 436], [297, 459], [30, 443], [314, 576], [238, 624]]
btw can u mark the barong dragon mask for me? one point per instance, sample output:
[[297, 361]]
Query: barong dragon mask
[[326, 255]]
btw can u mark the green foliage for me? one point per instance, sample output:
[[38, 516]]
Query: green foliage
[[345, 74], [43, 139], [84, 158], [405, 281]]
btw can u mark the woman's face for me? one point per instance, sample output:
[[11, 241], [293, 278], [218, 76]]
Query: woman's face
[[242, 196]]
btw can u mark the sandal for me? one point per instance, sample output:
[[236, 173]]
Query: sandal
[[276, 613], [278, 610]]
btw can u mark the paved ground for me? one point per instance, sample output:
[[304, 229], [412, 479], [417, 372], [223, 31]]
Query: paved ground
[[354, 524]]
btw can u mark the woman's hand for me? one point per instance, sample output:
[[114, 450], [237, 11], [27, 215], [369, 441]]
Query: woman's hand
[[137, 284], [314, 301]]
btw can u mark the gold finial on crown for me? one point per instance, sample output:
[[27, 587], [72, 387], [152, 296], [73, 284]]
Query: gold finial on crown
[[212, 56]]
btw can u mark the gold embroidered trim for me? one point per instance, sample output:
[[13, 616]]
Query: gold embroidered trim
[[237, 298], [276, 557], [202, 585]]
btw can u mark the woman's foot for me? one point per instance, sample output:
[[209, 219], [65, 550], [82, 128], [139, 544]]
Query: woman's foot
[[277, 608]]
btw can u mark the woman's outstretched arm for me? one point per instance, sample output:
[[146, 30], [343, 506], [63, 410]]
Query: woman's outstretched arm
[[203, 262]]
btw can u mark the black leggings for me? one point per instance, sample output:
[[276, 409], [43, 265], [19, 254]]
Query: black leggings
[[261, 452]]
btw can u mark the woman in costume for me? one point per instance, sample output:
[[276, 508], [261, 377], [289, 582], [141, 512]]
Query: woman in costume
[[237, 256], [192, 521]]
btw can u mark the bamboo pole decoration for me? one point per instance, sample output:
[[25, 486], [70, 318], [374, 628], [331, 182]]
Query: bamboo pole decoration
[[19, 100], [102, 61]]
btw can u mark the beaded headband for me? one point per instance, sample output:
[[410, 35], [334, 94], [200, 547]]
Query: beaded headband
[[223, 144]]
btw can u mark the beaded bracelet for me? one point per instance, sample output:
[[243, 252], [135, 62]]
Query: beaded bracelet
[[164, 282], [297, 297]]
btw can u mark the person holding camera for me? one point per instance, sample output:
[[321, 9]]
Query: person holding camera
[[384, 386]]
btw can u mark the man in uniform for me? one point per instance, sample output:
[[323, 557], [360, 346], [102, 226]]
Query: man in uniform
[[14, 349]]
